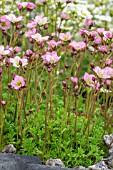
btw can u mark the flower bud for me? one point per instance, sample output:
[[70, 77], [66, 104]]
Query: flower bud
[[92, 65], [0, 70], [64, 83], [103, 106], [3, 102]]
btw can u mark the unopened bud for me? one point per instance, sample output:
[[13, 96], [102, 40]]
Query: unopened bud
[[103, 106], [64, 83]]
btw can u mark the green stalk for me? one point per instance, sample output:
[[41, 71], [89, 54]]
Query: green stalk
[[20, 115], [75, 125], [0, 112], [51, 74], [46, 117], [80, 64]]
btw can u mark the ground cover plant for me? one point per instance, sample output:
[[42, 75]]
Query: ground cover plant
[[56, 83]]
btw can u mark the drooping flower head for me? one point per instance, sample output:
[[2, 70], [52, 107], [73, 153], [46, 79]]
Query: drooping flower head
[[18, 82]]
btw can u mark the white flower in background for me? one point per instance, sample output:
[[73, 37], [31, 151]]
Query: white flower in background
[[105, 90], [84, 13], [17, 61], [3, 51], [103, 18]]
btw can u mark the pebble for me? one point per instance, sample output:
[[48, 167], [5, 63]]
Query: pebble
[[54, 162], [9, 149]]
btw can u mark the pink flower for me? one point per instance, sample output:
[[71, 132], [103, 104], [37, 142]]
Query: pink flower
[[108, 71], [91, 81], [17, 49], [97, 40], [100, 31], [88, 78], [18, 82], [22, 5], [28, 5], [83, 32], [0, 70], [107, 34], [30, 32], [74, 80], [103, 73], [2, 102], [78, 45], [4, 23], [40, 1], [38, 37], [50, 57], [3, 51], [65, 36], [108, 62], [53, 43], [88, 22], [40, 20], [102, 49], [93, 33], [108, 82], [65, 16], [29, 52], [69, 1], [31, 6], [32, 24], [17, 61], [14, 19]]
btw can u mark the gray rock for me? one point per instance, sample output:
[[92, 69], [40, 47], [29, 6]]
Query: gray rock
[[9, 161], [108, 139], [81, 168], [55, 162], [9, 149], [111, 151], [99, 166]]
